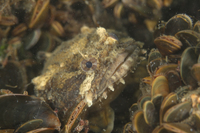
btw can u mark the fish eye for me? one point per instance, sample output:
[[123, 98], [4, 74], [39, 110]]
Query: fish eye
[[88, 64]]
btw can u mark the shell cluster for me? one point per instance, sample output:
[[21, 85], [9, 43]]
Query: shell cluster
[[170, 94]]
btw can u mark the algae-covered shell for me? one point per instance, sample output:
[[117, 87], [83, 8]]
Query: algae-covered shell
[[167, 44]]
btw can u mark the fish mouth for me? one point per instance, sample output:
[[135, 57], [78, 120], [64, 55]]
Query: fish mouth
[[119, 69]]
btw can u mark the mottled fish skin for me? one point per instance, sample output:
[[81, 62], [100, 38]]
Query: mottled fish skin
[[66, 79]]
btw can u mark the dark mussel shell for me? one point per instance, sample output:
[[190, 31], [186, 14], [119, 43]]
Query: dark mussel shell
[[188, 59], [177, 23], [17, 109], [13, 77]]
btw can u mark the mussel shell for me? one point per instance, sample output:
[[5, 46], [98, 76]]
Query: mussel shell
[[196, 121], [174, 58], [193, 121], [43, 130], [19, 30], [142, 100], [182, 91], [150, 114], [160, 86], [160, 129], [157, 101], [39, 14], [15, 42], [147, 80], [57, 29], [196, 71], [109, 3], [197, 51], [196, 26], [174, 80], [6, 130], [188, 38], [118, 10], [179, 128], [128, 128], [167, 44], [102, 119], [154, 54], [139, 7], [150, 24], [156, 4], [133, 109], [178, 112], [177, 23], [46, 42], [154, 64], [167, 3], [188, 59], [169, 101], [13, 77], [4, 32], [31, 39], [166, 68], [29, 125], [17, 109], [138, 120], [8, 20]]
